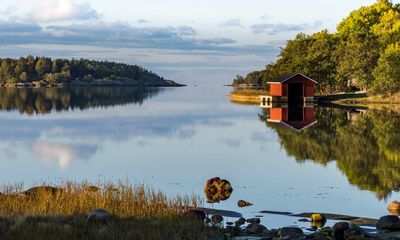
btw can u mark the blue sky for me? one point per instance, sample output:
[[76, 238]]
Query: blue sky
[[202, 42]]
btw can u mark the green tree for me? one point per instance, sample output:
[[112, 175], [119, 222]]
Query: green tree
[[43, 66], [388, 28], [357, 57], [361, 21], [20, 66], [387, 73], [24, 77]]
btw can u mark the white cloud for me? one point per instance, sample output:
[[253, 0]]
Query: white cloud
[[234, 22], [9, 10], [63, 10], [61, 153]]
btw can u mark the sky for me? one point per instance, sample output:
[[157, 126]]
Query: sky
[[193, 42]]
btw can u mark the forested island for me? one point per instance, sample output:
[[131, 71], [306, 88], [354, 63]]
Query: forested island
[[44, 71], [363, 54]]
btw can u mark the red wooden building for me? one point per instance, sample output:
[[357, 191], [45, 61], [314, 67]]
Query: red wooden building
[[294, 118], [294, 87]]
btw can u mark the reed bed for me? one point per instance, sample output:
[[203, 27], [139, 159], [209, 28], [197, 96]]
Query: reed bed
[[122, 199], [139, 212]]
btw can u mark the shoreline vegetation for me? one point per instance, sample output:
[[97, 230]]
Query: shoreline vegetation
[[363, 54], [46, 72], [251, 97], [121, 210], [246, 96]]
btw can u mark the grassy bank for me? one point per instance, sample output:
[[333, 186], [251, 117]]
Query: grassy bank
[[247, 96], [373, 99], [137, 213]]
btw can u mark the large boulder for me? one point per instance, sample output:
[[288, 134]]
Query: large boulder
[[42, 191], [339, 228], [255, 229], [389, 222], [99, 215]]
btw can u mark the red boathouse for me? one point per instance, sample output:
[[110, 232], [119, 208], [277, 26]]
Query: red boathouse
[[293, 87]]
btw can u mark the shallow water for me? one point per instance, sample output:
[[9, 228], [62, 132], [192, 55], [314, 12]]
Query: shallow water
[[174, 139]]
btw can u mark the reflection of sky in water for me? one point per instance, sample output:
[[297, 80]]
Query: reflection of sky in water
[[175, 141]]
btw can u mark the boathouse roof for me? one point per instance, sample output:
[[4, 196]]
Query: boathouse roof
[[287, 76]]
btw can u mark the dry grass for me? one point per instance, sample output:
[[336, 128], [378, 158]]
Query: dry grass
[[250, 92], [122, 199], [246, 96], [138, 213]]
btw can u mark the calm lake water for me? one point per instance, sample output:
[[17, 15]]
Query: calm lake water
[[174, 139]]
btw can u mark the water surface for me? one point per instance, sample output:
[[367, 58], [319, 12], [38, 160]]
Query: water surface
[[324, 160]]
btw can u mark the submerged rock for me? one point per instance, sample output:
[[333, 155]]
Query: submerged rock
[[242, 203], [339, 228], [99, 215], [388, 222]]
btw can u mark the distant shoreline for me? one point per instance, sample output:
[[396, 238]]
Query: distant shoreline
[[94, 83]]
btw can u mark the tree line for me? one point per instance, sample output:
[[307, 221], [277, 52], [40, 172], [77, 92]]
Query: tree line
[[363, 53], [29, 69]]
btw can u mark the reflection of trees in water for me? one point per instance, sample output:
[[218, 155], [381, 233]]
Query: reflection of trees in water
[[366, 148], [45, 100]]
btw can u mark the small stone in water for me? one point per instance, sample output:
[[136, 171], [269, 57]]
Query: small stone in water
[[242, 203]]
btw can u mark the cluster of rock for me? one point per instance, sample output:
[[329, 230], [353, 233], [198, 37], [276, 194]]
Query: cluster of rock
[[388, 227]]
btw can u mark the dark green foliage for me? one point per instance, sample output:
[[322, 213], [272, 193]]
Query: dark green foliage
[[365, 146], [31, 69], [387, 73], [345, 59]]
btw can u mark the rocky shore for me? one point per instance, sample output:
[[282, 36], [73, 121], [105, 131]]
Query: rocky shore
[[387, 227], [132, 212]]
